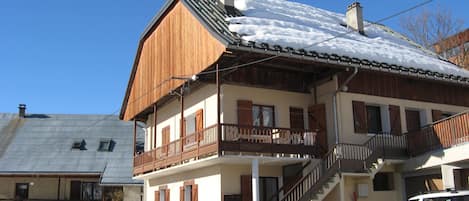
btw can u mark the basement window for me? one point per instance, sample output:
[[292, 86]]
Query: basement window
[[79, 144], [106, 145]]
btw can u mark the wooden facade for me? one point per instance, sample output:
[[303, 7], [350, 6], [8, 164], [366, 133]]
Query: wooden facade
[[392, 86], [178, 46]]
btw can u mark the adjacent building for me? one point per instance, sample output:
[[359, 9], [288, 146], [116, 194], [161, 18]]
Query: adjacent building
[[67, 157], [455, 48], [275, 100]]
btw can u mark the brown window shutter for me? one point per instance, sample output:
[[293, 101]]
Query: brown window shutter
[[195, 192], [166, 192], [165, 135], [157, 195], [296, 118], [181, 193], [395, 116], [437, 115], [199, 123], [359, 117], [245, 112], [246, 188]]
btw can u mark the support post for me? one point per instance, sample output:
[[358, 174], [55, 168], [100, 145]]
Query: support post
[[219, 134], [255, 180], [154, 125], [135, 137], [181, 129]]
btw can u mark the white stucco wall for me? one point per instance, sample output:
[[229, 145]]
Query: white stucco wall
[[208, 180], [170, 114]]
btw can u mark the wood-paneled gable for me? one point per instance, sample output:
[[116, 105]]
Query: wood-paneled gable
[[394, 86], [178, 46]]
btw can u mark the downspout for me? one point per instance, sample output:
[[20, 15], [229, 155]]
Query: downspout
[[343, 87]]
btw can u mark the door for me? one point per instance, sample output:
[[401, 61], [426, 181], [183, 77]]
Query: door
[[318, 123], [413, 120], [22, 191], [246, 188], [75, 190]]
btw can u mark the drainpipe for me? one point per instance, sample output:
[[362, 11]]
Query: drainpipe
[[343, 87]]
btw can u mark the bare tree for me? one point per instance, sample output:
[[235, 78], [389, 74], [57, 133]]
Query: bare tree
[[431, 28]]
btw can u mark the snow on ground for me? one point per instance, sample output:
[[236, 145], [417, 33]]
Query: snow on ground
[[290, 24]]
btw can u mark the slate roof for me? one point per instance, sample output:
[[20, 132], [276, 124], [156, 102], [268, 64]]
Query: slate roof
[[42, 144]]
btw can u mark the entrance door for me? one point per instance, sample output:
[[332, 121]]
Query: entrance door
[[75, 190], [412, 118], [318, 123], [22, 191]]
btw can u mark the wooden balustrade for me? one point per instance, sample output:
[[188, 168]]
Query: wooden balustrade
[[441, 134], [234, 138]]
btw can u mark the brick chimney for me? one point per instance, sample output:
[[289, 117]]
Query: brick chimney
[[22, 110], [354, 17]]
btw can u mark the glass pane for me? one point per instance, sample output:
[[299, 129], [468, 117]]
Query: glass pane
[[104, 145], [268, 188], [187, 193], [268, 116], [190, 124], [374, 119], [162, 194], [256, 117], [87, 191], [96, 191]]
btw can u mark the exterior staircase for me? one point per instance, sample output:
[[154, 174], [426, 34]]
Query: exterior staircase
[[346, 158]]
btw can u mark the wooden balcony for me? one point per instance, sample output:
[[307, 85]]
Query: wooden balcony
[[233, 139], [439, 135]]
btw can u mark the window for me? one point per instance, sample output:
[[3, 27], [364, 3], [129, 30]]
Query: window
[[189, 192], [162, 194], [383, 182], [373, 114], [376, 119], [90, 191], [79, 144], [190, 124], [106, 145], [268, 188], [263, 116], [22, 191]]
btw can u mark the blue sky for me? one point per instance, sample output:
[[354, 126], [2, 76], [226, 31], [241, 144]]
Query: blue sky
[[61, 56]]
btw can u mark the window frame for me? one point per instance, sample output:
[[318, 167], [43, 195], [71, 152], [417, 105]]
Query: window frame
[[261, 114]]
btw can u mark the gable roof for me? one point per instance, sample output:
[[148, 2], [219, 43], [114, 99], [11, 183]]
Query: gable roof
[[42, 144], [279, 27]]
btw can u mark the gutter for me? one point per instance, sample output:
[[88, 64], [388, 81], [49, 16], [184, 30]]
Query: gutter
[[343, 87]]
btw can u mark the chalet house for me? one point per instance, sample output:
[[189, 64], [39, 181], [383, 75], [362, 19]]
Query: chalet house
[[66, 157], [275, 100]]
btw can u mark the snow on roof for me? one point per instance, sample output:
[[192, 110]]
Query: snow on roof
[[299, 26]]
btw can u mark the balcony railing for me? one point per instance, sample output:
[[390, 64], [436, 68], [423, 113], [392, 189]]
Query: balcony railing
[[441, 134], [279, 142]]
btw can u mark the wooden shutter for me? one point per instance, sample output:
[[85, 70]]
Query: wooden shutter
[[166, 196], [246, 188], [437, 115], [318, 123], [181, 193], [195, 192], [157, 196], [165, 135], [359, 117], [413, 120], [296, 118], [199, 123], [395, 116], [245, 112]]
